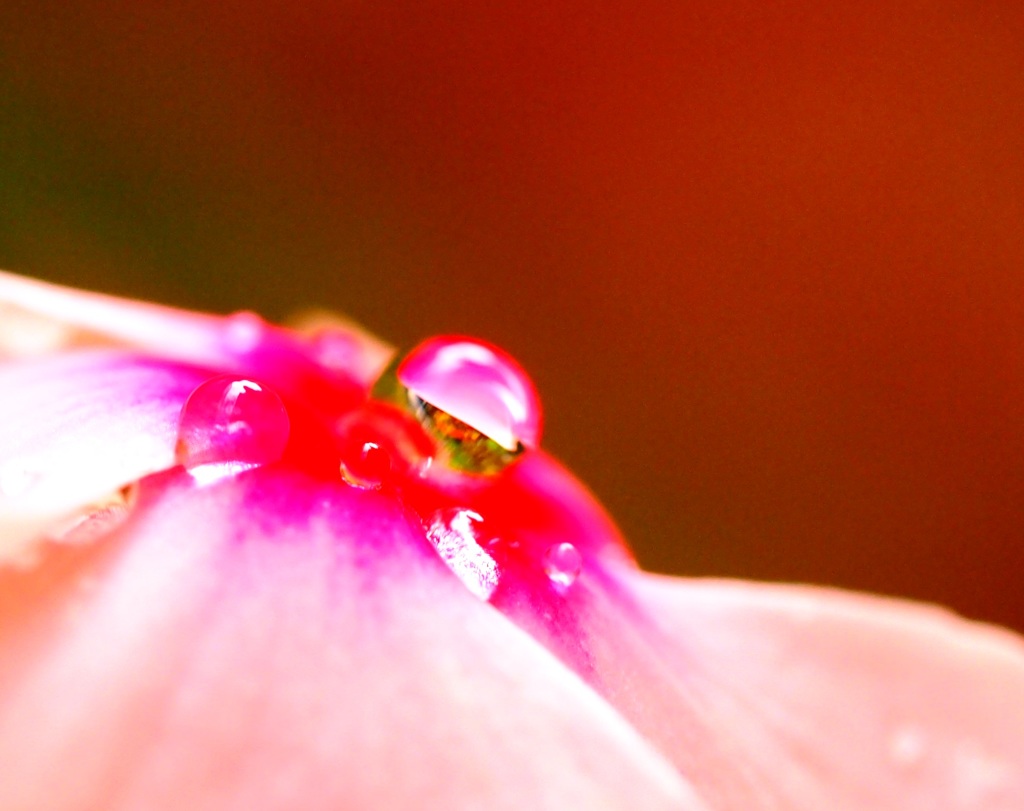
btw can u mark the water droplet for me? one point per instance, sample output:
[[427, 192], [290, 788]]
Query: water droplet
[[232, 424], [366, 466], [98, 519], [907, 746], [244, 331], [378, 443], [563, 564], [475, 400], [455, 535]]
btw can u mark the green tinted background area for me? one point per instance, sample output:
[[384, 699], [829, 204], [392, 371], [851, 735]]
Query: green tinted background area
[[766, 265]]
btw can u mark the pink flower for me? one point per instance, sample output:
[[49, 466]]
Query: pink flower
[[232, 581]]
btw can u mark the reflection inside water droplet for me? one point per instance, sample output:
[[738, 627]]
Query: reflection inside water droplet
[[474, 400], [563, 564], [455, 535], [233, 424]]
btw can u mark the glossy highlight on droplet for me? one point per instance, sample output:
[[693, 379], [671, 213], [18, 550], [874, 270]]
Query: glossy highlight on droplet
[[378, 443], [455, 534], [234, 422], [478, 405], [477, 384], [562, 564], [367, 466]]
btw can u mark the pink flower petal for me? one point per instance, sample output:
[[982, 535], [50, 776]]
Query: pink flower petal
[[78, 427], [267, 642], [39, 317], [94, 318], [805, 698], [280, 639]]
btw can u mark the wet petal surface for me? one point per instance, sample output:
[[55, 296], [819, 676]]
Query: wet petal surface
[[280, 596], [313, 654]]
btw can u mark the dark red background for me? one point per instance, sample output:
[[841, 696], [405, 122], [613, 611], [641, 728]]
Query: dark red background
[[766, 264]]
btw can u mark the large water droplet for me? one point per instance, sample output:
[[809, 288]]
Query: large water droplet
[[563, 564], [232, 424], [473, 398], [477, 384], [455, 534]]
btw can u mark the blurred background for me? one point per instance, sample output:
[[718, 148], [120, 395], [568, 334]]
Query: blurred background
[[764, 261]]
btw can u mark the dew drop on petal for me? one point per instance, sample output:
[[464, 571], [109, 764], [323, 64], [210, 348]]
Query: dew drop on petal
[[455, 534], [378, 444], [477, 384], [562, 564], [244, 331], [233, 424], [366, 466]]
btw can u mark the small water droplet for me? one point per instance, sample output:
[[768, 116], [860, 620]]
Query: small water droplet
[[455, 535], [907, 746], [244, 331], [563, 564], [232, 424], [473, 398], [366, 466], [378, 443], [98, 519]]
